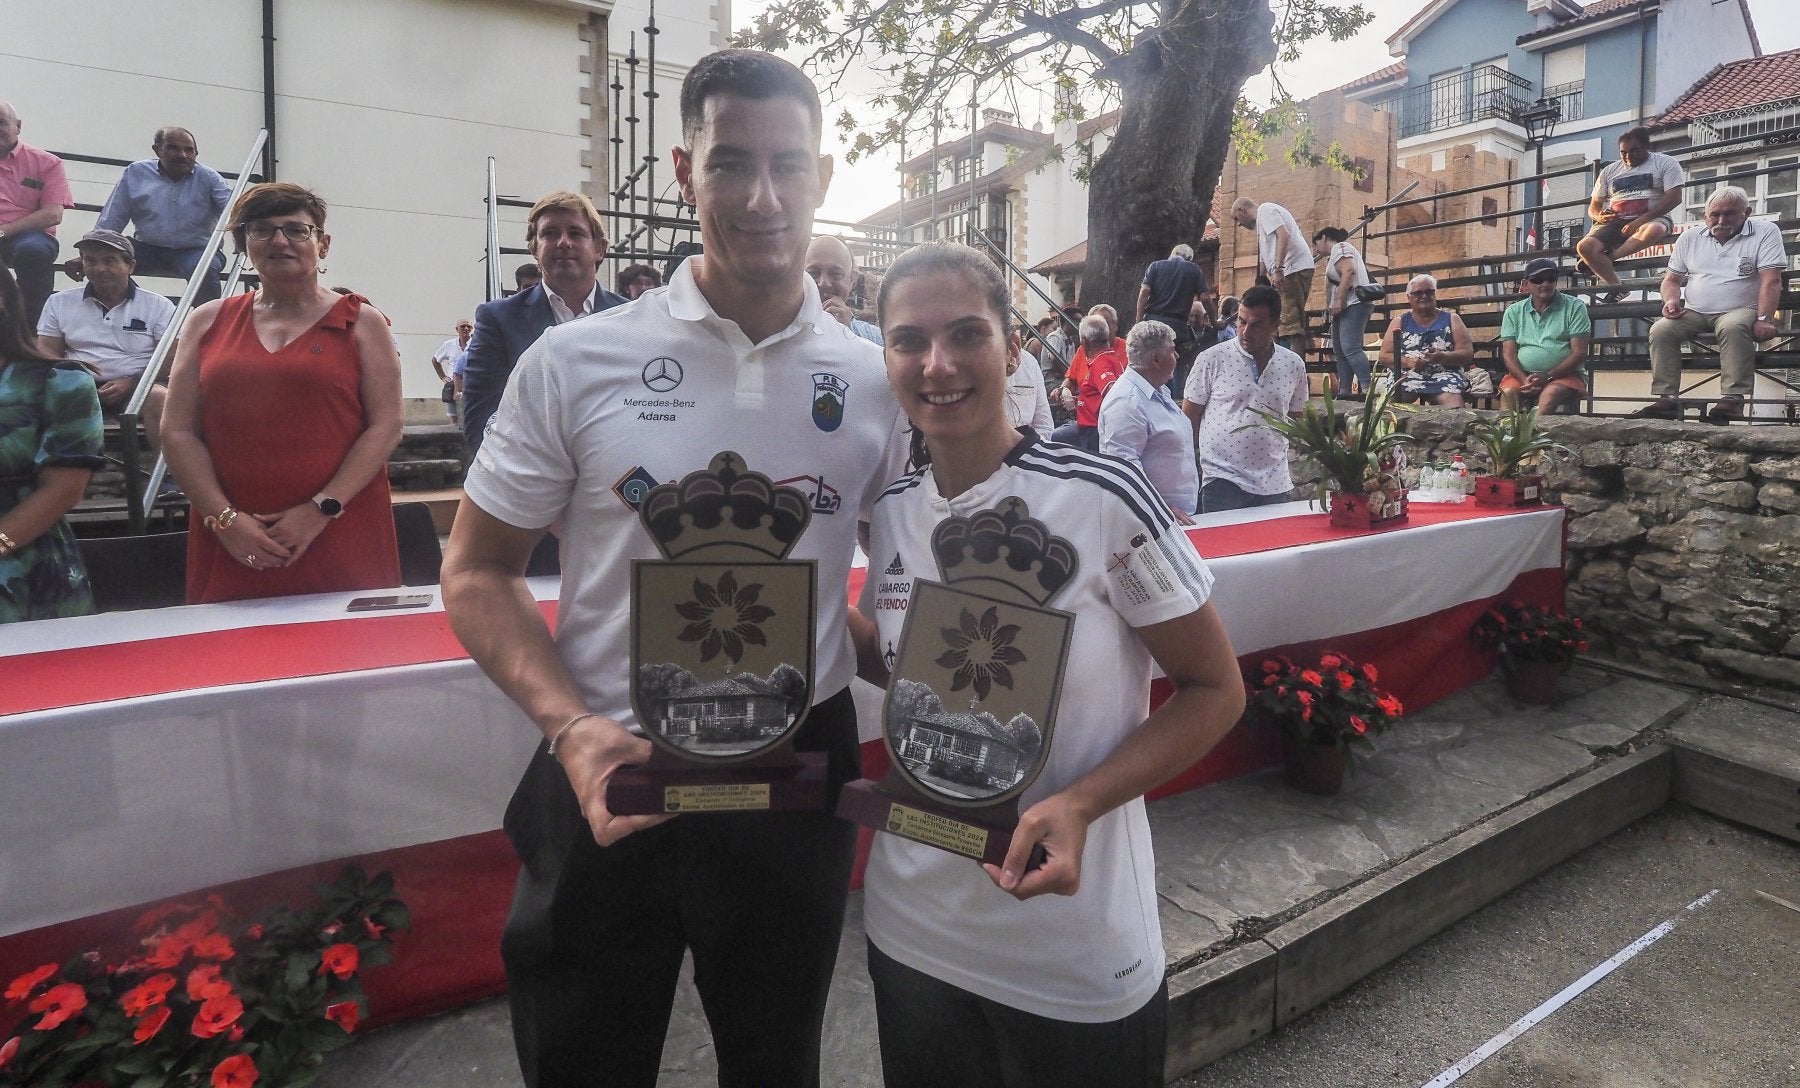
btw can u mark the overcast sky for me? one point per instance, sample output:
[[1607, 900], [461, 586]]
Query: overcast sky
[[873, 183]]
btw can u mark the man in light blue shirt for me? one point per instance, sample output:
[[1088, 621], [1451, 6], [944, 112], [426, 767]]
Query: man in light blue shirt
[[1141, 423], [174, 200]]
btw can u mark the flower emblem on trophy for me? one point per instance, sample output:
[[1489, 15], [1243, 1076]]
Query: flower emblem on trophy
[[722, 647], [971, 708]]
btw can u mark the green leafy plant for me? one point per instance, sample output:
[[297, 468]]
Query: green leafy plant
[[1513, 442], [206, 999], [1334, 702], [1520, 632], [1347, 451]]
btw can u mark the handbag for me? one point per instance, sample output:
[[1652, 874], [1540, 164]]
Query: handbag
[[1368, 292]]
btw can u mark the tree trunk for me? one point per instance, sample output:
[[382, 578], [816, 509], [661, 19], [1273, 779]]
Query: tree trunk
[[1153, 186]]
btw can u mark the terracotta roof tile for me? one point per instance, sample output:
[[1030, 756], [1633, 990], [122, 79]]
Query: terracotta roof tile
[[1590, 13], [1737, 85], [1392, 71]]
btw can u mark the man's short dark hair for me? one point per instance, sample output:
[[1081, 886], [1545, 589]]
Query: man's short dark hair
[[1638, 135], [1262, 297], [1336, 234], [746, 73]]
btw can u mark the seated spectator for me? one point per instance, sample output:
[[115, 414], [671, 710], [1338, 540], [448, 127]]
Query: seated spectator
[[1633, 199], [635, 279], [1100, 367], [48, 450], [1243, 461], [111, 327], [1725, 280], [527, 276], [830, 265], [1431, 346], [1077, 371], [34, 191], [175, 201], [1544, 343], [443, 361], [1228, 311], [1141, 423], [1027, 401]]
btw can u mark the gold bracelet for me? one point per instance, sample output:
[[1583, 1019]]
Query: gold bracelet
[[557, 739], [7, 544], [220, 521]]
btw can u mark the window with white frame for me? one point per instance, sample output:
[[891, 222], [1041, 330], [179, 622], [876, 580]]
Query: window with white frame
[[1773, 183]]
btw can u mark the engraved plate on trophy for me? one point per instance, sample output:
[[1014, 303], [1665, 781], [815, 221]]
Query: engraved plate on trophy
[[971, 707], [722, 637]]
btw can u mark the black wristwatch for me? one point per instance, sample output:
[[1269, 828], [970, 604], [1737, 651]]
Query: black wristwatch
[[327, 505]]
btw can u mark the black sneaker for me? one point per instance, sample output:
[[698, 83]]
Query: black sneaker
[[1611, 297], [1661, 408]]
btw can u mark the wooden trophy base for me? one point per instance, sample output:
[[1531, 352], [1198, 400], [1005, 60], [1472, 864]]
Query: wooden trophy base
[[656, 789], [957, 830]]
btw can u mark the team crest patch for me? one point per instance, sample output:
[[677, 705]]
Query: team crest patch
[[829, 394], [633, 486]]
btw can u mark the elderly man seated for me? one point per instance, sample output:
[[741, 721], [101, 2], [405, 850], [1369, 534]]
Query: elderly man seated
[[111, 326], [1544, 343], [1725, 280], [1099, 365], [1141, 423], [175, 201]]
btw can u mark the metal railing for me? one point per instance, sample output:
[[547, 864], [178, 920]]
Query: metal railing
[[1484, 93], [137, 503], [1569, 96]]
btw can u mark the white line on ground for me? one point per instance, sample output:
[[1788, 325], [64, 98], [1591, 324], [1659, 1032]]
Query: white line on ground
[[1567, 994]]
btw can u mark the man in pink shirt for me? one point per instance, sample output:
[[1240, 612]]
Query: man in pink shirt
[[33, 193]]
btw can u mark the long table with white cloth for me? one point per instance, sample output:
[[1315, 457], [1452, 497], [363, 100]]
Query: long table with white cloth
[[254, 747]]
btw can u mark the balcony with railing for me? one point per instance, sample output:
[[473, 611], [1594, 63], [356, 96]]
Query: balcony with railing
[[1569, 96], [1486, 93]]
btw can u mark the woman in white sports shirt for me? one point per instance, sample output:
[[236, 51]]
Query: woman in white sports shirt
[[995, 975]]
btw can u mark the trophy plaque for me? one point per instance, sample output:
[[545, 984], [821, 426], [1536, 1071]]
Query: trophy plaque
[[971, 707], [722, 648]]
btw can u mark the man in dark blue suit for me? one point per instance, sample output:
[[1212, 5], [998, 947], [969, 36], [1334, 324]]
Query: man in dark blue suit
[[563, 232]]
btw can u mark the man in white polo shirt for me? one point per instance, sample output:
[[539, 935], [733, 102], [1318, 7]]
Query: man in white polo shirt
[[1243, 461], [110, 326], [1283, 256], [738, 354], [1141, 423], [1726, 280]]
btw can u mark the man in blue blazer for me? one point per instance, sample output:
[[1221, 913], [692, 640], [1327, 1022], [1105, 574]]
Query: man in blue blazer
[[563, 232]]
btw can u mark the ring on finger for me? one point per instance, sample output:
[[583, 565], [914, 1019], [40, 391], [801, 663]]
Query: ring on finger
[[250, 559]]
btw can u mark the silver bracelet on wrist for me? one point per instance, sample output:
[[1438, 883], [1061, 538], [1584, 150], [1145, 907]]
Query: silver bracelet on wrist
[[557, 739]]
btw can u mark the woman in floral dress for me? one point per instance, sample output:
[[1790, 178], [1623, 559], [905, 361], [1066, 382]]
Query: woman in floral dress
[[1427, 349], [49, 446]]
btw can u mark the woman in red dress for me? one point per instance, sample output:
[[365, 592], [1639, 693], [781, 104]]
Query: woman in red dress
[[282, 409]]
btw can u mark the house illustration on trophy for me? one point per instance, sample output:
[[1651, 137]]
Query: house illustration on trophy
[[722, 625]]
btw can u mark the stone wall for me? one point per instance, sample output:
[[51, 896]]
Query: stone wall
[[1684, 539]]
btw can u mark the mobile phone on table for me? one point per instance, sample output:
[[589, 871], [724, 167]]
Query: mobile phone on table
[[394, 600]]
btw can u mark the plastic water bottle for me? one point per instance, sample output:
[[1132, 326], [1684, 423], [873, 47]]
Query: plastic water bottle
[[1464, 482]]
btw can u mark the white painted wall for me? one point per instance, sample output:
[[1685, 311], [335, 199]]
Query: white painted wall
[[388, 109], [1692, 38]]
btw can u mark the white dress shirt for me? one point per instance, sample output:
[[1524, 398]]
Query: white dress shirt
[[1142, 424]]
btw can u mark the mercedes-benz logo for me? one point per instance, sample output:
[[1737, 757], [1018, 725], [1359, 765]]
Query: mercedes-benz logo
[[662, 374]]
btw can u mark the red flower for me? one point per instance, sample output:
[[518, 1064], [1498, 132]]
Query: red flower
[[237, 1071], [214, 946], [339, 959], [255, 932], [1312, 678], [168, 952], [1389, 706], [205, 924], [147, 994], [1369, 673], [343, 1014], [217, 1014], [1582, 646], [237, 1034], [1576, 620], [1330, 661], [23, 985], [58, 1003], [1271, 665], [203, 982], [1305, 697], [150, 1025], [373, 928], [1345, 680], [9, 1051], [1271, 680], [1359, 725], [155, 915]]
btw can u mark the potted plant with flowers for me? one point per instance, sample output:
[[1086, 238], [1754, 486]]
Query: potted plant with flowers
[[1321, 710], [203, 998], [1535, 646], [1516, 451], [1359, 460]]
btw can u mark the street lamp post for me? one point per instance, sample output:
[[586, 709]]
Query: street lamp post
[[1539, 120]]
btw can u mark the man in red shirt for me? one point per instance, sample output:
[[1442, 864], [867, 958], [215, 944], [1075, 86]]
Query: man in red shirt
[[1096, 366], [34, 190]]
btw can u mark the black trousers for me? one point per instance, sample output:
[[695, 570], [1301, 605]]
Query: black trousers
[[934, 1035], [595, 939]]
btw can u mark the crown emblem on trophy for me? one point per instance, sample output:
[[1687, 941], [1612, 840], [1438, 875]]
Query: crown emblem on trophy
[[1003, 549], [724, 508]]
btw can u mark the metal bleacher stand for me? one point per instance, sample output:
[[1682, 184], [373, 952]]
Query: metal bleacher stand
[[1479, 289], [141, 487]]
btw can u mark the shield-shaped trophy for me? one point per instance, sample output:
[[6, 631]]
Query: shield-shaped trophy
[[971, 707], [722, 648]]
